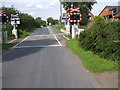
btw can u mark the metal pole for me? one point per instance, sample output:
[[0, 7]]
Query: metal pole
[[60, 12], [3, 39]]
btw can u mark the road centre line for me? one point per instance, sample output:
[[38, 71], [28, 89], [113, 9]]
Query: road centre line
[[57, 40], [21, 41]]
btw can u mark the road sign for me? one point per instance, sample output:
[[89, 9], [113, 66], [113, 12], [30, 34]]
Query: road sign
[[4, 19], [15, 19], [74, 9], [74, 17]]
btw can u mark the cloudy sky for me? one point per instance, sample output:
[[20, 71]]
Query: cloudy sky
[[50, 8]]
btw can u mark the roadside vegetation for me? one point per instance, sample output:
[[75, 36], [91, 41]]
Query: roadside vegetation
[[7, 46], [91, 61], [27, 24], [101, 37], [51, 21], [98, 46], [55, 23], [59, 27], [27, 33]]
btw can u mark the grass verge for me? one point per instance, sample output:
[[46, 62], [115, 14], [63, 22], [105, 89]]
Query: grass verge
[[91, 62], [25, 34], [58, 27], [7, 46]]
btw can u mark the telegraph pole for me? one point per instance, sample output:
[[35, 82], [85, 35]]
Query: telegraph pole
[[3, 23], [60, 12], [3, 39], [1, 11]]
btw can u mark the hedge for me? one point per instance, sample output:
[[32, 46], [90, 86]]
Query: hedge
[[102, 38]]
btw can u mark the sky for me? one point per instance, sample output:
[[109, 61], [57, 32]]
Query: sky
[[50, 8]]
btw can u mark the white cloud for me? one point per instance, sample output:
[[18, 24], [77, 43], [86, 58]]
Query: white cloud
[[30, 5], [32, 13], [45, 8], [33, 6], [27, 1], [54, 3], [108, 1], [39, 6]]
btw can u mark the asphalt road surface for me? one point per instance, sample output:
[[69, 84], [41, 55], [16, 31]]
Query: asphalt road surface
[[42, 61]]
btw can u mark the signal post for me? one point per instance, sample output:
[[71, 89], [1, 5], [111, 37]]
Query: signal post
[[73, 18]]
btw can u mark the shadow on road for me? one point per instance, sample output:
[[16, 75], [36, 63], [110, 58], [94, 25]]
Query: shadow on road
[[39, 42], [18, 53], [21, 52]]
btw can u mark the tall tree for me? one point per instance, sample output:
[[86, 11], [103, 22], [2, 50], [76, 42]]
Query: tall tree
[[27, 21], [43, 23], [50, 20], [39, 20]]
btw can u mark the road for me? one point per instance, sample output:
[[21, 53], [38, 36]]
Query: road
[[42, 61]]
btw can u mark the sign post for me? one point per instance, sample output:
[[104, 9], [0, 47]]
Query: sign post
[[3, 21], [74, 17], [15, 20]]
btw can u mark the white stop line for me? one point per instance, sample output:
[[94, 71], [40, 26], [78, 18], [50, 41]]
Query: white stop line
[[57, 40]]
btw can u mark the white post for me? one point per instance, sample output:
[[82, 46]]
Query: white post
[[68, 28], [14, 31], [73, 31], [6, 36], [15, 20]]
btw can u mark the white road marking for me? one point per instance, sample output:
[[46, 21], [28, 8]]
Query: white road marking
[[57, 40], [47, 35], [66, 37], [40, 35], [21, 41], [49, 29], [38, 46], [12, 41], [16, 46]]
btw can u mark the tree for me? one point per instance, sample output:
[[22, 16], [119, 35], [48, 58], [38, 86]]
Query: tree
[[10, 11], [27, 22], [39, 21], [43, 23], [50, 20], [56, 21]]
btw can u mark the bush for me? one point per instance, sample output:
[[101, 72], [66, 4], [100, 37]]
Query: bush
[[9, 29], [58, 27], [100, 38]]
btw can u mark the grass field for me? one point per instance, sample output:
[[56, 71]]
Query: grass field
[[91, 62]]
